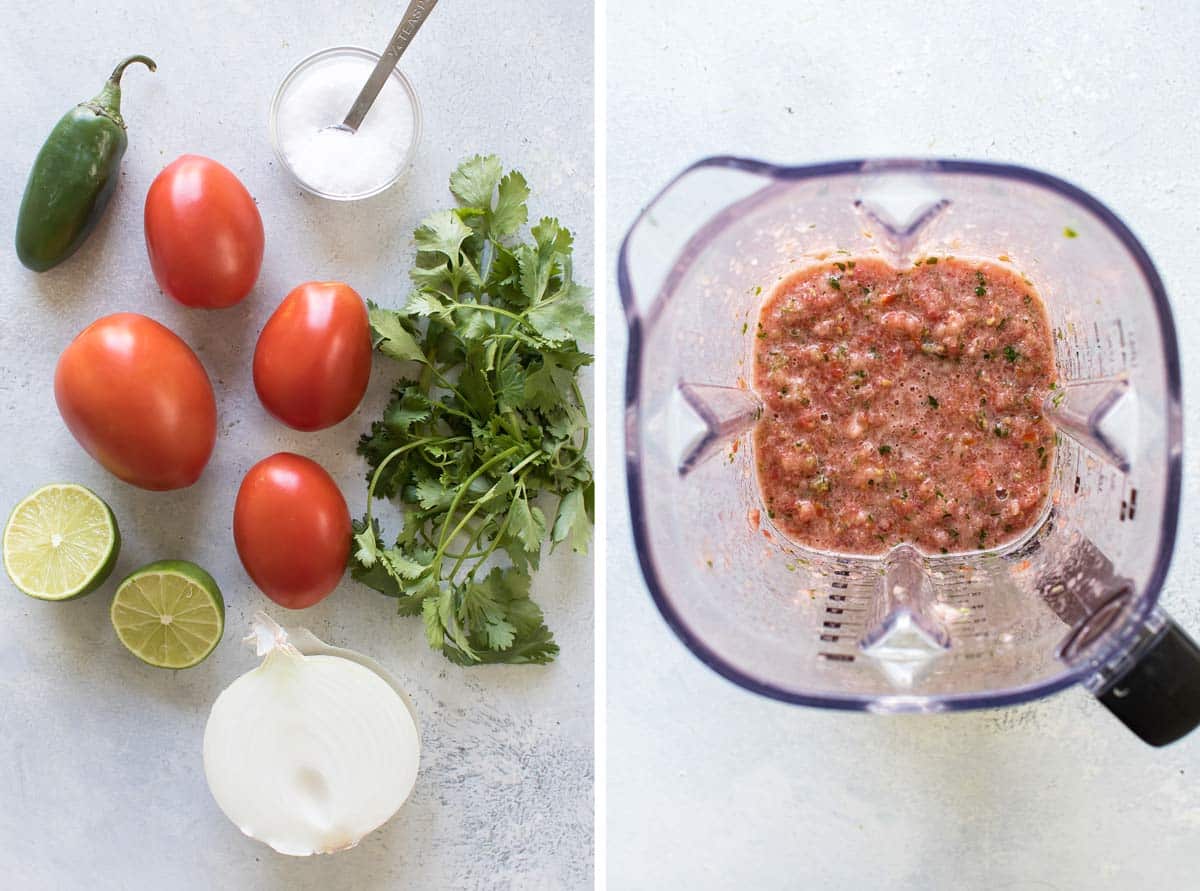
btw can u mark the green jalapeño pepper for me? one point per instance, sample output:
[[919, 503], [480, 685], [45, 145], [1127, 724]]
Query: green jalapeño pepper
[[73, 177]]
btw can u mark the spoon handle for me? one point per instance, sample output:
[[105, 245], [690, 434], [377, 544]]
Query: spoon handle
[[414, 18]]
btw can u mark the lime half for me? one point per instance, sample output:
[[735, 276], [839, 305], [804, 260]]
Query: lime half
[[169, 614], [60, 542]]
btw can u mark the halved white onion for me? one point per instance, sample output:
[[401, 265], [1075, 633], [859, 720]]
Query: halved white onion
[[309, 753]]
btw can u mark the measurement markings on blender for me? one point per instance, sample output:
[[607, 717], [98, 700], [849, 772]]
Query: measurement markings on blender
[[962, 602], [837, 657], [845, 614], [1129, 505], [1106, 353]]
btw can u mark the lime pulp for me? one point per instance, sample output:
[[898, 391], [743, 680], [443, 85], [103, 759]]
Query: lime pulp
[[169, 614], [60, 542]]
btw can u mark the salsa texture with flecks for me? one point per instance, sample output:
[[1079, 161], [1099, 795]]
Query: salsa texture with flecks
[[903, 405]]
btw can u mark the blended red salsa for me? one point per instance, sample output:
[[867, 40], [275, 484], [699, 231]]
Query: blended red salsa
[[903, 405]]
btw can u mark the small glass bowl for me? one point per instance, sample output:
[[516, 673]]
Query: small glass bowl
[[316, 59]]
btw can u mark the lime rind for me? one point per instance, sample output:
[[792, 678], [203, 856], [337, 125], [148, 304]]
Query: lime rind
[[170, 614], [82, 558]]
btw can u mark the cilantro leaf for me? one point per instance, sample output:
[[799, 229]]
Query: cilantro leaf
[[431, 494], [443, 232], [474, 384], [409, 409], [498, 491], [542, 260], [428, 304], [510, 213], [450, 623], [367, 551], [573, 522], [528, 524], [541, 386], [512, 385], [401, 566], [563, 318], [434, 632], [483, 608], [475, 180], [520, 637], [391, 337], [551, 238]]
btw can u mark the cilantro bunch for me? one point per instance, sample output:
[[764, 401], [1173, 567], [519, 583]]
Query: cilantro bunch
[[490, 432]]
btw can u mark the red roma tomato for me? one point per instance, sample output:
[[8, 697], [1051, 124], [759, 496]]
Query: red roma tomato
[[313, 358], [292, 529], [138, 400], [203, 232]]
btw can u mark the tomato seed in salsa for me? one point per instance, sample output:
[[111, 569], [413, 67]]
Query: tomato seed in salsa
[[903, 405]]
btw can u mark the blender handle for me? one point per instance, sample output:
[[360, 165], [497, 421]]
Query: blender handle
[[1154, 689]]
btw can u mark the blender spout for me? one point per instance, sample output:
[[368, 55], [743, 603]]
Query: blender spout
[[1099, 414], [712, 417], [899, 206], [904, 635]]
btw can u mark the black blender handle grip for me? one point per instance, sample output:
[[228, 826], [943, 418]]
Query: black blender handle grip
[[1158, 697]]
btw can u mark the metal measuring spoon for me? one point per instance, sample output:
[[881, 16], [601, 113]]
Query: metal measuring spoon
[[414, 18]]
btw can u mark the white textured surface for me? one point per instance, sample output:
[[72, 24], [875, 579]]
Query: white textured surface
[[713, 787], [100, 775]]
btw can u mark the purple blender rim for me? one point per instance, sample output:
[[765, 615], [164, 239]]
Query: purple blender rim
[[1140, 608]]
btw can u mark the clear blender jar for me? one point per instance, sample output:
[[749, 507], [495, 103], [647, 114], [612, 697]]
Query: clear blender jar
[[1073, 601]]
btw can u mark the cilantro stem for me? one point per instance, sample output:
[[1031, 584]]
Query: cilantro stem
[[466, 553], [516, 336], [519, 318], [441, 552], [524, 462], [458, 496], [496, 539], [445, 383], [468, 556], [459, 559], [586, 428], [508, 334], [480, 555], [487, 307], [430, 368], [512, 348], [450, 410], [395, 453], [522, 318]]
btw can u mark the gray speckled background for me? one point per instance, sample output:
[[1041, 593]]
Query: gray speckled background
[[100, 777], [713, 787]]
